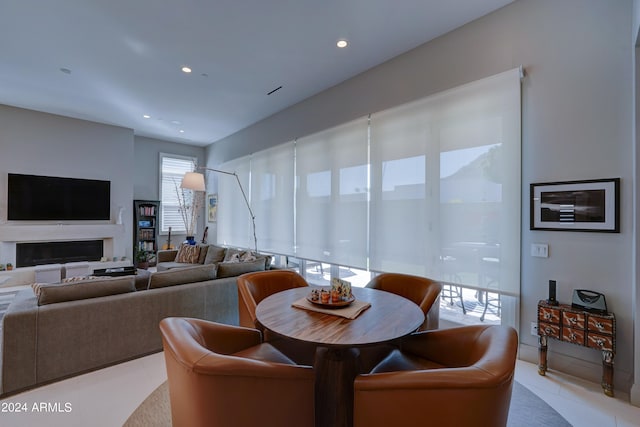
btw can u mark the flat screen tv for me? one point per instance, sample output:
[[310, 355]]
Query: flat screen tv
[[34, 197]]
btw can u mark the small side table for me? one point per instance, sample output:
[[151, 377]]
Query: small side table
[[564, 323]]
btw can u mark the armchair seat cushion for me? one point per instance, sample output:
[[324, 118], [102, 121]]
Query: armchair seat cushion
[[399, 361], [264, 352]]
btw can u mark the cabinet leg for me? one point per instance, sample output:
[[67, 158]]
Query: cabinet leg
[[542, 355], [607, 372]]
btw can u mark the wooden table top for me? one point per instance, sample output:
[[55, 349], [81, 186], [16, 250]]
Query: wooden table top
[[389, 317]]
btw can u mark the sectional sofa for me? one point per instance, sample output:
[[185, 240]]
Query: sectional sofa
[[56, 331]]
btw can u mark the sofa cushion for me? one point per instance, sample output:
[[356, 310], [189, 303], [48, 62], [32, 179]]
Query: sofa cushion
[[203, 252], [240, 255], [179, 276], [188, 253], [215, 254], [54, 293], [230, 269]]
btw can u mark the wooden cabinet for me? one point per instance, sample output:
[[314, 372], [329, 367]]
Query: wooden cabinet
[[145, 226], [593, 330]]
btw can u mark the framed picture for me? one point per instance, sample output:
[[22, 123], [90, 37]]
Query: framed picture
[[592, 205], [212, 207]]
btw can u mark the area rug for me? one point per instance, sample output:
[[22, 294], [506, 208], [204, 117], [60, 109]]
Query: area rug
[[527, 410]]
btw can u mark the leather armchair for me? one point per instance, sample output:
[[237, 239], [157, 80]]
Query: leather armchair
[[223, 375], [448, 377], [422, 291], [253, 288]]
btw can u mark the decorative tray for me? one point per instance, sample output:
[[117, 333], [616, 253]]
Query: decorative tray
[[329, 304]]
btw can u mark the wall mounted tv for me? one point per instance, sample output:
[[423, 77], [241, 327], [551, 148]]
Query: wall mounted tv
[[34, 197]]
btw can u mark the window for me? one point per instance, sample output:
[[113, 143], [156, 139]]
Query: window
[[172, 169], [430, 188]]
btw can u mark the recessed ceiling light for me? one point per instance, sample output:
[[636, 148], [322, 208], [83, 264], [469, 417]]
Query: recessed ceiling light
[[65, 70], [186, 69], [146, 116], [181, 130], [342, 43]]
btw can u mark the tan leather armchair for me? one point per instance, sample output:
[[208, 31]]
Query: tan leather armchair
[[448, 377], [422, 291], [253, 288], [223, 375]]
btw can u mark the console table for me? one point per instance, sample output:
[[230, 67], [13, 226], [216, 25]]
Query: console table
[[565, 323]]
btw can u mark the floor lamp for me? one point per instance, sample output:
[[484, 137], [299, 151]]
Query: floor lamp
[[195, 181]]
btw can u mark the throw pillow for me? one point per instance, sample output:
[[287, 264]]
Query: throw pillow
[[188, 254], [230, 269], [36, 288], [232, 255], [203, 252], [215, 254]]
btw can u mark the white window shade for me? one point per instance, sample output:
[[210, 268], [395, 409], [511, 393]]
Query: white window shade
[[172, 169], [445, 174], [332, 195], [234, 219], [272, 191]]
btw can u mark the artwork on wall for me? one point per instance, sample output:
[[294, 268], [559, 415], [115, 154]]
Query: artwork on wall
[[591, 205], [212, 207]]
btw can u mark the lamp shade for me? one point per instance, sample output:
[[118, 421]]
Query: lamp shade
[[193, 181]]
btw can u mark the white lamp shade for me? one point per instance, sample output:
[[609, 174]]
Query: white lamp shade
[[193, 181]]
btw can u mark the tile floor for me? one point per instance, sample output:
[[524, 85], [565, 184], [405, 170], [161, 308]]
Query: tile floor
[[107, 398]]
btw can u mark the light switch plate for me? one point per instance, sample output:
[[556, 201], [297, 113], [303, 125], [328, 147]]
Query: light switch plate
[[540, 250]]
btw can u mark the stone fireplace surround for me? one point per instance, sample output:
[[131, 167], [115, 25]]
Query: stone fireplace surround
[[112, 236]]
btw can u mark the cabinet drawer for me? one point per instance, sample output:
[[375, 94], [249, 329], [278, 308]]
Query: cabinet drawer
[[601, 342], [601, 325], [575, 336], [572, 319], [549, 315], [549, 330]]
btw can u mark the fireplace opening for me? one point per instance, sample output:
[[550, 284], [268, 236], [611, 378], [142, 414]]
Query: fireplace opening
[[41, 253]]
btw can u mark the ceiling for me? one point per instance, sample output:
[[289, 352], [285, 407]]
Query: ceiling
[[114, 61]]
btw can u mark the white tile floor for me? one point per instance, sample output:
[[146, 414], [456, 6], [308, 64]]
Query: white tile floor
[[107, 397]]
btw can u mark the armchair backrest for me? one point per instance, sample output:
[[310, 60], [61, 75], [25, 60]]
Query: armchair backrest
[[254, 287], [422, 291]]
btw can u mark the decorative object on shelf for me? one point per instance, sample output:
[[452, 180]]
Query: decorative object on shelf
[[195, 181], [168, 245], [120, 212], [189, 202], [9, 266], [592, 205], [191, 240], [204, 235], [142, 259]]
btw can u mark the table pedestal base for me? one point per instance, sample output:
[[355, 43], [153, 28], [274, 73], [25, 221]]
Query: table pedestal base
[[336, 369]]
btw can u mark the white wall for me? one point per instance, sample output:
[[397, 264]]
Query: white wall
[[147, 174], [45, 144], [576, 124]]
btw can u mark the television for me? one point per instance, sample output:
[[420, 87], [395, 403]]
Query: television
[[34, 197]]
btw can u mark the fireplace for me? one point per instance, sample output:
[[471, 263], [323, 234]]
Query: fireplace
[[41, 253]]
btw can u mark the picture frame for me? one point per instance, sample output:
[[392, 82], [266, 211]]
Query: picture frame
[[212, 207], [590, 205]]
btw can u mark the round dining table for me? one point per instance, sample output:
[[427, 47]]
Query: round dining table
[[337, 339]]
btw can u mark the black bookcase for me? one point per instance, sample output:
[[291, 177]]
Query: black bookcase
[[145, 226]]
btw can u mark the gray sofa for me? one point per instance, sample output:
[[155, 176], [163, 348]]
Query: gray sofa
[[212, 254], [74, 328]]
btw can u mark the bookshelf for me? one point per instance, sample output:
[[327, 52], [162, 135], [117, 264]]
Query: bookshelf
[[145, 226]]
